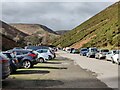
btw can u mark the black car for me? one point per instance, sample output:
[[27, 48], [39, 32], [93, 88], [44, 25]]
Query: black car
[[14, 65], [4, 67], [26, 58]]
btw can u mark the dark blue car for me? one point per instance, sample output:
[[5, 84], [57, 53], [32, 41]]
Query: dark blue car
[[14, 65], [83, 51]]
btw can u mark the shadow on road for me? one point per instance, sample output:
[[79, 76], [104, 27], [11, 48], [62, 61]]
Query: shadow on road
[[32, 72], [22, 84], [52, 62], [47, 67]]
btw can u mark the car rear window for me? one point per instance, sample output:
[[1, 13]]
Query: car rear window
[[105, 50]]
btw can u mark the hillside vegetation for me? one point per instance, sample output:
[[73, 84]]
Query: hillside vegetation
[[38, 34], [103, 26], [10, 37], [32, 28]]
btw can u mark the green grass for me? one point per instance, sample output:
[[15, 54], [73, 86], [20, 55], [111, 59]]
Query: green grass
[[104, 25]]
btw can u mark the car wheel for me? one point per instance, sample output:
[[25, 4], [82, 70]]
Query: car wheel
[[50, 57], [89, 56], [41, 60], [118, 62], [12, 70], [113, 61], [27, 64]]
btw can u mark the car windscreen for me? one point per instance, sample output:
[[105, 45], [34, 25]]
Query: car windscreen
[[84, 49], [93, 50], [105, 50], [117, 52], [7, 55]]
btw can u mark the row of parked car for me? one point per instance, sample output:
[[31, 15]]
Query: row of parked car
[[16, 58], [111, 55]]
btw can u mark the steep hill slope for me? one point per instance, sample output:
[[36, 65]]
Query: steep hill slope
[[100, 31], [10, 36], [10, 31], [7, 43]]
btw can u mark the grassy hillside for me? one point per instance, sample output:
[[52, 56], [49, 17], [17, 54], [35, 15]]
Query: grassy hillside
[[103, 26]]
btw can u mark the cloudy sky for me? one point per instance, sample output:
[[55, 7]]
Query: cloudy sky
[[55, 15]]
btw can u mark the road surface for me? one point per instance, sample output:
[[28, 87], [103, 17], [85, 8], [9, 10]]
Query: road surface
[[105, 70]]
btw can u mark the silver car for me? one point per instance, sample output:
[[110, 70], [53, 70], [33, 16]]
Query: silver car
[[110, 54], [91, 52], [101, 54]]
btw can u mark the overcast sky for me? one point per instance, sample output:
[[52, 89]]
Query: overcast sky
[[55, 15]]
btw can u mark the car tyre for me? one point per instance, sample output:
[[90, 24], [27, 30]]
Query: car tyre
[[50, 57], [41, 60], [27, 64], [113, 61]]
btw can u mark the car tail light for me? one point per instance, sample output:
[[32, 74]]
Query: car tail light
[[32, 55], [3, 61]]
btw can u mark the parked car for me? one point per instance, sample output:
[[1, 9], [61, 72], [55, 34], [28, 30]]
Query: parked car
[[91, 52], [17, 48], [71, 50], [14, 65], [116, 57], [68, 49], [4, 67], [42, 57], [110, 54], [26, 58], [83, 51], [36, 47], [101, 54], [47, 52], [75, 51]]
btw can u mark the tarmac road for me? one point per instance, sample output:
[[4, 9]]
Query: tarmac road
[[106, 71], [59, 73]]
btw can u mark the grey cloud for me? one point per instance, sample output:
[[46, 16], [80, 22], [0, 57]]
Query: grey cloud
[[57, 16]]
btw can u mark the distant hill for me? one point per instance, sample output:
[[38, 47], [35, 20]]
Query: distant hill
[[100, 31], [61, 32], [38, 34], [33, 28]]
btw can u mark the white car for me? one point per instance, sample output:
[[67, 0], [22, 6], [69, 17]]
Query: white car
[[42, 57], [47, 52], [110, 54], [116, 57]]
